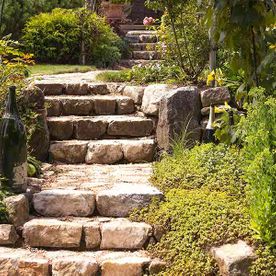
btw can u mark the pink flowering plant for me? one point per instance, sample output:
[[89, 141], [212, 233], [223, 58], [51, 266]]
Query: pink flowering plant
[[148, 21]]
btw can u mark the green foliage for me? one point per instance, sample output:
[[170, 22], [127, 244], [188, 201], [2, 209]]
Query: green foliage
[[23, 10], [205, 205], [62, 36], [217, 168], [259, 134], [3, 209], [245, 28], [149, 73], [183, 36]]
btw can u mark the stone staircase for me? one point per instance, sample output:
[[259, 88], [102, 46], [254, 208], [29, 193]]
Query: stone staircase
[[101, 149], [142, 44]]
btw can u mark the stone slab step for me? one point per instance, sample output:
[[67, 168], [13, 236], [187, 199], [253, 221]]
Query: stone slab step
[[143, 46], [95, 178], [132, 27], [132, 62], [141, 38], [141, 32], [87, 233], [59, 87], [147, 55], [17, 261], [102, 151], [89, 105], [89, 127]]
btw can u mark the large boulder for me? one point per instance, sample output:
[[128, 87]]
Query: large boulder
[[179, 112], [152, 97]]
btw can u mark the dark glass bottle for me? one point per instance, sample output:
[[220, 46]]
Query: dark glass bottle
[[13, 146], [209, 136]]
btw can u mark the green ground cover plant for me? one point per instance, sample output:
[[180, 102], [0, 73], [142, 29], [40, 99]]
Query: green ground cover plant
[[68, 36], [205, 205]]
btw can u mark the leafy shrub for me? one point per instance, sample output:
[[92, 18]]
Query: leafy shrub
[[23, 10], [259, 135], [183, 36], [62, 36], [205, 205]]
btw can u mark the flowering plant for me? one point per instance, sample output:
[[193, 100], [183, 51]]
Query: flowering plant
[[148, 21]]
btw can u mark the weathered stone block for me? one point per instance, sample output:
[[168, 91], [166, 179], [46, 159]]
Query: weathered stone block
[[39, 141], [75, 265], [214, 96], [103, 152], [61, 128], [123, 234], [128, 266], [104, 106], [18, 209], [125, 106], [87, 129], [156, 266], [49, 88], [54, 107], [98, 89], [30, 266], [152, 97], [179, 112], [72, 152], [52, 233], [234, 259], [92, 234], [122, 199], [133, 127], [8, 235], [139, 151], [134, 92], [76, 89], [62, 203], [73, 106]]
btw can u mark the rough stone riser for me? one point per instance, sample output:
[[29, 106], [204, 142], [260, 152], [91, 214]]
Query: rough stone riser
[[25, 262], [141, 38], [142, 46], [117, 234], [91, 129], [146, 55], [86, 107]]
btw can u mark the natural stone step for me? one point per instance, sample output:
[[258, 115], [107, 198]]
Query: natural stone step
[[103, 151], [59, 87], [62, 203], [122, 199], [141, 32], [141, 38], [17, 261], [103, 233], [95, 178], [132, 62], [89, 128], [148, 55], [143, 46], [130, 27], [89, 105]]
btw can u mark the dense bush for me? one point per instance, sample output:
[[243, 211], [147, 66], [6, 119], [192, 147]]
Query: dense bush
[[23, 10], [205, 205], [259, 134], [62, 36]]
